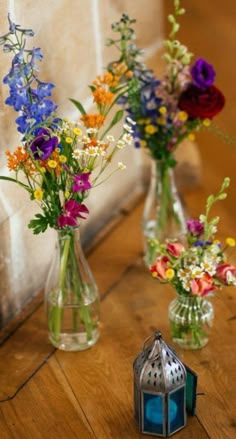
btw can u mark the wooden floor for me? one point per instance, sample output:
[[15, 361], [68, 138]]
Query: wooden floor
[[46, 393]]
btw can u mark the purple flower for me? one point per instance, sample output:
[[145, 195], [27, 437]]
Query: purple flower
[[43, 145], [72, 211], [195, 227], [203, 74], [81, 182]]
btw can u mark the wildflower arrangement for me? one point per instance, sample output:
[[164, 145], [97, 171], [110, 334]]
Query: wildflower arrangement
[[170, 109], [57, 161], [196, 270], [200, 267]]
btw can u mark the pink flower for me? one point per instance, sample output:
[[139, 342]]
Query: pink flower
[[203, 285], [160, 267], [175, 248], [81, 182], [72, 211], [224, 272]]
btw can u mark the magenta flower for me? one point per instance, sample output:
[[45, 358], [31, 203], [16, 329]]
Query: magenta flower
[[72, 211], [81, 182], [195, 227]]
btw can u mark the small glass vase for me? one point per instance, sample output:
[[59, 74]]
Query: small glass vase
[[163, 215], [71, 296], [191, 319]]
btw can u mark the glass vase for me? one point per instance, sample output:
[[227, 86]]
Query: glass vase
[[71, 296], [163, 215], [191, 319]]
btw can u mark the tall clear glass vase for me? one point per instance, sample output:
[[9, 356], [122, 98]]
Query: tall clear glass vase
[[164, 215], [71, 296]]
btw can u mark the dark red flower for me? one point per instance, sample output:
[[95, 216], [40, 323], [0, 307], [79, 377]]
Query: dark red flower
[[201, 104]]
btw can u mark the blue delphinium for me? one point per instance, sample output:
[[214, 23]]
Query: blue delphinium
[[28, 95]]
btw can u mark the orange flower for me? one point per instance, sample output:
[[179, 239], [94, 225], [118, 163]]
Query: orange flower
[[20, 159], [108, 79], [93, 120], [103, 97]]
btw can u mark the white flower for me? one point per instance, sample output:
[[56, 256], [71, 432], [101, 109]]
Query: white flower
[[127, 138], [78, 153], [110, 138], [230, 278], [184, 274], [127, 128], [131, 121], [121, 166], [120, 144], [196, 271], [92, 131]]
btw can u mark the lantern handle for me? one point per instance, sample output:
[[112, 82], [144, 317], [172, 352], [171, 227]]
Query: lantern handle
[[157, 336]]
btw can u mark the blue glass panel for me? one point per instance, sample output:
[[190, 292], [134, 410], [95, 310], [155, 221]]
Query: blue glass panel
[[153, 416], [176, 410]]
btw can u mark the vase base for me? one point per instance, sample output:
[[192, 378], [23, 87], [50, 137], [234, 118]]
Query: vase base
[[190, 344], [75, 342]]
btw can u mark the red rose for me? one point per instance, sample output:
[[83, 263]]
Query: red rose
[[201, 103]]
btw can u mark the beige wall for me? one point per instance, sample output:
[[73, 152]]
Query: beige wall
[[71, 34]]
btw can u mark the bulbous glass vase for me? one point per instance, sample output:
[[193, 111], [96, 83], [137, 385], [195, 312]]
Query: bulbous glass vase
[[164, 215], [191, 320], [71, 296]]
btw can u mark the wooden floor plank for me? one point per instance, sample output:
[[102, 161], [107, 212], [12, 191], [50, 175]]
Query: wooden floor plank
[[45, 408]]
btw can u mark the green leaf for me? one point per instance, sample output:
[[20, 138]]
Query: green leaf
[[39, 224], [118, 116], [78, 105]]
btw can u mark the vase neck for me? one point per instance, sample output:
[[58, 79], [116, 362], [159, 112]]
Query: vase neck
[[188, 299]]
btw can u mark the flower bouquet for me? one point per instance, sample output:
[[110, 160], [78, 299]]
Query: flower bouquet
[[195, 271], [58, 162], [166, 111]]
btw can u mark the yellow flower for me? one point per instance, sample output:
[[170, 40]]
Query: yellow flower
[[67, 194], [69, 140], [143, 143], [62, 159], [154, 274], [150, 129], [162, 110], [191, 137], [182, 115], [230, 242], [77, 131], [161, 120], [52, 164], [38, 194], [206, 122], [169, 274]]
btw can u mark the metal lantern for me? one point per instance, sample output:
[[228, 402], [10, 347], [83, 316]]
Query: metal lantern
[[159, 389]]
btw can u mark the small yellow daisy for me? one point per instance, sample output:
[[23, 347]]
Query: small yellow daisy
[[69, 140], [143, 143], [162, 110], [169, 274], [38, 194], [52, 164], [150, 129], [191, 137], [230, 242], [77, 131], [182, 115], [62, 159], [206, 122]]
